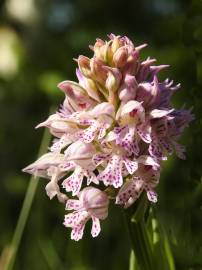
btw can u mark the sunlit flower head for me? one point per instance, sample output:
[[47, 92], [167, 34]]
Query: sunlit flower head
[[113, 131]]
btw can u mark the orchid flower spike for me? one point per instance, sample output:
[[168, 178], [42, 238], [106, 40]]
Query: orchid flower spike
[[113, 131]]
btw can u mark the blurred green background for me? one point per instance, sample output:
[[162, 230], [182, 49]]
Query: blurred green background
[[38, 40]]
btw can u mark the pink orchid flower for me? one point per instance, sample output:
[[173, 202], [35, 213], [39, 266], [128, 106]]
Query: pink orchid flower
[[115, 128]]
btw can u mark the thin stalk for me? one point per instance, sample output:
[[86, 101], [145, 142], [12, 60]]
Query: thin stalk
[[24, 213], [132, 261], [140, 241]]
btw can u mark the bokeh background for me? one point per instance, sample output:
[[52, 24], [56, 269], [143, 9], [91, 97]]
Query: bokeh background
[[38, 41]]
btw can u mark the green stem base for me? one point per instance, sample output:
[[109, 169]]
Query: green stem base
[[141, 244]]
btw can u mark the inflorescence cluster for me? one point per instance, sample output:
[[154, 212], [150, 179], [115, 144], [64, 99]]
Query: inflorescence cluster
[[112, 133]]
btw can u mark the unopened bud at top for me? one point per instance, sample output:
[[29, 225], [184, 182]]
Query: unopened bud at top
[[84, 65], [120, 57], [113, 81]]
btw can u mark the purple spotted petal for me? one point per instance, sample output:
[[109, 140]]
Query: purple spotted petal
[[166, 144], [128, 141], [155, 149], [73, 204], [131, 166], [99, 158], [144, 131], [66, 166], [102, 131], [130, 192], [152, 196], [74, 181], [112, 174], [76, 221], [91, 177], [89, 134], [95, 227]]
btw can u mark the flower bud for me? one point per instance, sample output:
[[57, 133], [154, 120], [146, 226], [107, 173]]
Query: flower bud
[[84, 65], [128, 89], [120, 57], [97, 48], [105, 52], [95, 202], [88, 84], [111, 82], [116, 43], [113, 79], [98, 70]]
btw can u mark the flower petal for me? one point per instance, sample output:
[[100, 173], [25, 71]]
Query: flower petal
[[144, 131], [155, 149], [130, 192], [166, 144], [131, 166], [112, 174], [180, 150], [74, 181], [156, 113], [99, 158], [89, 134], [91, 177], [132, 112], [128, 141], [102, 131], [40, 166], [52, 189], [77, 232], [76, 221], [73, 204], [152, 196], [95, 227], [148, 160], [88, 84], [58, 145], [77, 96], [103, 108], [66, 166]]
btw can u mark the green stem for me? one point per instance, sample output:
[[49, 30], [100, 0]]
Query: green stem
[[24, 213], [139, 236], [132, 262]]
